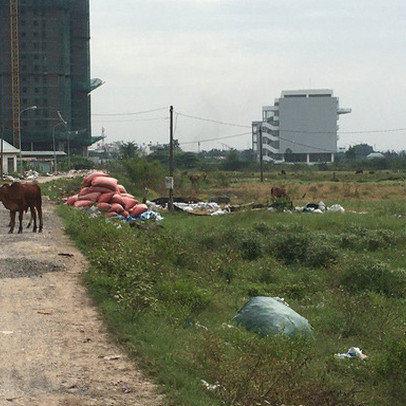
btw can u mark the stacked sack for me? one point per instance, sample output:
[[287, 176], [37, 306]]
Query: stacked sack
[[104, 192]]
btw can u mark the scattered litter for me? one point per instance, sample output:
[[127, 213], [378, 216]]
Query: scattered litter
[[124, 387], [353, 352], [7, 332], [200, 208], [44, 312], [195, 324], [209, 386], [111, 357], [319, 208], [65, 254], [150, 215]]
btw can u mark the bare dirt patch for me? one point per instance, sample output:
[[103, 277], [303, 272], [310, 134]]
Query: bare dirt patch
[[54, 348]]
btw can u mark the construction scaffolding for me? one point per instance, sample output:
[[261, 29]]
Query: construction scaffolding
[[45, 62]]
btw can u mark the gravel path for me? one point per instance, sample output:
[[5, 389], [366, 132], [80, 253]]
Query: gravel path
[[54, 348]]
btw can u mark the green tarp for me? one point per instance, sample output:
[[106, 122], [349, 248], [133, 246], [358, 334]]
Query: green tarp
[[266, 315]]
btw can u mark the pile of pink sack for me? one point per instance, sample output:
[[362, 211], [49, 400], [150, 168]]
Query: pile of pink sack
[[104, 192]]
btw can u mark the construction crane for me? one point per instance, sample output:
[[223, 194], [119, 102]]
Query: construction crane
[[225, 146], [15, 72]]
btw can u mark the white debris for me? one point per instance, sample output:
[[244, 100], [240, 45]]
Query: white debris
[[353, 352], [209, 386], [336, 208]]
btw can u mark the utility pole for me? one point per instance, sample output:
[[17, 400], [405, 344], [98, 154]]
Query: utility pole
[[171, 158], [261, 154]]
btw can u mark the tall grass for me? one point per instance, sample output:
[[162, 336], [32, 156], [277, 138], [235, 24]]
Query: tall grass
[[170, 294]]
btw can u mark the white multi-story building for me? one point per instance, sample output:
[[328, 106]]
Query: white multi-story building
[[301, 126]]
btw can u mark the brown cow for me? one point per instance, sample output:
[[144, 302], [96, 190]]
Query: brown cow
[[21, 197], [195, 178], [277, 192]]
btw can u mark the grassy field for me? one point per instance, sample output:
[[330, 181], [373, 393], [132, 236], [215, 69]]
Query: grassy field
[[168, 295]]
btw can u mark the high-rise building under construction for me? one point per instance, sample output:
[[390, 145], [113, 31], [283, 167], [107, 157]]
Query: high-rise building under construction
[[53, 74]]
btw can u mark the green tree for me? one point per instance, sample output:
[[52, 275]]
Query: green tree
[[187, 160], [128, 150], [232, 161]]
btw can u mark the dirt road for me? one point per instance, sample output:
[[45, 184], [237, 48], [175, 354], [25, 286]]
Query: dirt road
[[53, 347]]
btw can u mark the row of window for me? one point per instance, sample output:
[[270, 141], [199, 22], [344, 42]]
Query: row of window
[[37, 90], [35, 23], [35, 34], [35, 68], [35, 45], [36, 11], [37, 123], [36, 79]]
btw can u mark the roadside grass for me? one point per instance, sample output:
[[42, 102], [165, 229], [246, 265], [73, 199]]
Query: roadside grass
[[168, 296]]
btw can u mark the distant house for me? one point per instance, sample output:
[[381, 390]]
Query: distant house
[[9, 159], [42, 161], [375, 155]]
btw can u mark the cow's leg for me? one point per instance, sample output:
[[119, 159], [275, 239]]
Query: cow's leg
[[29, 223], [33, 217], [12, 221], [20, 218], [41, 223]]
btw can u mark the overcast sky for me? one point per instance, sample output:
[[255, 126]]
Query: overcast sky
[[225, 59]]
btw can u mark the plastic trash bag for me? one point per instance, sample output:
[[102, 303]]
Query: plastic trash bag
[[266, 315]]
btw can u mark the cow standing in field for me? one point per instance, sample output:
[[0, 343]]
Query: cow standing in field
[[195, 179], [21, 197], [277, 192]]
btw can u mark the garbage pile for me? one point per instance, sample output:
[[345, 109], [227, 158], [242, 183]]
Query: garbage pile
[[103, 192], [320, 208], [189, 205]]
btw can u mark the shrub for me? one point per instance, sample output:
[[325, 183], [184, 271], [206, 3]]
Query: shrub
[[321, 254], [251, 246], [390, 365], [182, 299], [275, 370], [292, 247], [363, 274]]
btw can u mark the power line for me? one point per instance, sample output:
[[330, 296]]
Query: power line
[[129, 114], [131, 121], [213, 121], [214, 139]]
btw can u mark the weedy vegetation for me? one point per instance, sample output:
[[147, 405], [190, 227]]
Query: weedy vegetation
[[168, 296]]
